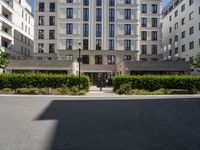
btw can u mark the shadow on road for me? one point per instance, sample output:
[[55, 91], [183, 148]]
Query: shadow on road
[[125, 125]]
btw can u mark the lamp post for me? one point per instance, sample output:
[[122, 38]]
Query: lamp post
[[79, 63]]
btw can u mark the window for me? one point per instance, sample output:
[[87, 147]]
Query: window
[[85, 59], [154, 22], [98, 59], [98, 30], [52, 7], [69, 57], [191, 15], [85, 29], [52, 21], [98, 2], [191, 30], [176, 38], [98, 44], [85, 44], [176, 26], [127, 57], [182, 21], [41, 20], [111, 30], [127, 29], [69, 1], [85, 14], [154, 35], [170, 41], [111, 44], [183, 48], [154, 49], [111, 2], [69, 28], [144, 22], [69, 44], [176, 13], [176, 50], [40, 48], [143, 49], [112, 15], [191, 2], [127, 14], [199, 26], [143, 35], [111, 59], [154, 9], [51, 34], [85, 2], [191, 45], [69, 13], [127, 44], [127, 1], [144, 8], [170, 18], [41, 7], [98, 14], [199, 10], [51, 48], [40, 34], [183, 8], [154, 59], [170, 29], [183, 34]]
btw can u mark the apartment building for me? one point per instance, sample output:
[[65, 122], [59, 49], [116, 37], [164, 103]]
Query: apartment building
[[16, 29], [181, 30], [105, 25], [107, 32], [150, 30]]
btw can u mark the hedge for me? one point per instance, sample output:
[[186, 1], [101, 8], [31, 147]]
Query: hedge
[[155, 82], [14, 81]]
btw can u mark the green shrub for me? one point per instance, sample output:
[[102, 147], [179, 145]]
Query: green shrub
[[74, 91], [82, 92], [63, 91], [15, 81], [34, 91], [156, 82], [124, 89], [6, 91]]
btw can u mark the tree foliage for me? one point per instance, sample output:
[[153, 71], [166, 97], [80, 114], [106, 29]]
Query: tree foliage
[[197, 61], [3, 60]]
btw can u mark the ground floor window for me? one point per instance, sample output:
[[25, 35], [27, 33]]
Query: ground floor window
[[98, 60]]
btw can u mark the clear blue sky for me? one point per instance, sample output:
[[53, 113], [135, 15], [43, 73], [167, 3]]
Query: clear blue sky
[[32, 2]]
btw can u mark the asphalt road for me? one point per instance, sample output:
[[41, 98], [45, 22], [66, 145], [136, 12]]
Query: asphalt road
[[38, 123]]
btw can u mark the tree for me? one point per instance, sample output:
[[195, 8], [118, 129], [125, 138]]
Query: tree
[[3, 60]]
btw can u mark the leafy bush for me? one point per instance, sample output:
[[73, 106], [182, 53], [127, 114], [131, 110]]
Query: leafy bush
[[6, 91], [124, 89], [63, 91], [145, 92], [156, 82], [14, 81], [34, 91]]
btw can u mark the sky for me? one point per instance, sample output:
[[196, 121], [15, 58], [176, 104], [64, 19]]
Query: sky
[[32, 3]]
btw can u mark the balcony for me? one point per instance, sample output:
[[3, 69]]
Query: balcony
[[6, 31], [9, 2]]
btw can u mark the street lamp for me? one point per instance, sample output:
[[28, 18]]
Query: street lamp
[[79, 63]]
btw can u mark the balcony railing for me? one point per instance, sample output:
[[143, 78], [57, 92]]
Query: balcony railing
[[9, 2]]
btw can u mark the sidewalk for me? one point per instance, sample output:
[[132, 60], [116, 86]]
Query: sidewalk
[[106, 92]]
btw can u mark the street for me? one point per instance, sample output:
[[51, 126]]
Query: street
[[53, 123]]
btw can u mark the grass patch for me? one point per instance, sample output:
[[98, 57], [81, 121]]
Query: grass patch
[[44, 91], [159, 92]]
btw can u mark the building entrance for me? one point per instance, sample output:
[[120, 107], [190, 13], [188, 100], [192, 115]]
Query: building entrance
[[106, 78]]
